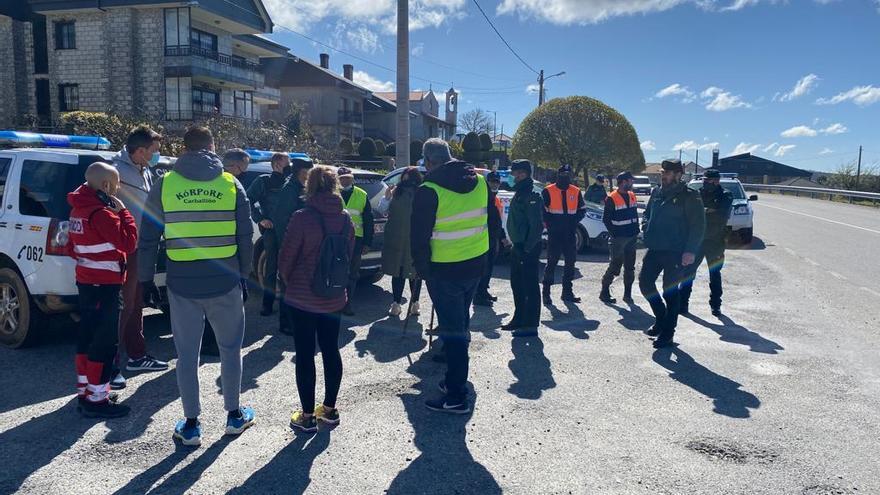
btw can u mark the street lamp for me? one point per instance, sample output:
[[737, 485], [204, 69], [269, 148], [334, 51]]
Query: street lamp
[[541, 80], [494, 124]]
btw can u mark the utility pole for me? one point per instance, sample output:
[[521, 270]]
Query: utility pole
[[859, 168], [679, 155], [541, 88], [402, 145], [697, 161]]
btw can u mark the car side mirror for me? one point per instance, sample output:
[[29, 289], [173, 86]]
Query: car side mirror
[[753, 197]]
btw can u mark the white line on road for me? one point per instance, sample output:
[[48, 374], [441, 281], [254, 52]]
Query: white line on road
[[870, 291], [824, 219], [837, 275], [808, 260]]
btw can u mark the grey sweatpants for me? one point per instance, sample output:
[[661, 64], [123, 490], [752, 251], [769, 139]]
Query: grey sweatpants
[[226, 315]]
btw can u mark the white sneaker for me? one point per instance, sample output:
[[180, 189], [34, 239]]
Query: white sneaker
[[414, 309], [395, 309]]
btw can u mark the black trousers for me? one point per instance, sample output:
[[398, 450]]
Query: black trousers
[[714, 256], [452, 301], [322, 328], [354, 274], [561, 246], [622, 251], [483, 288], [397, 285], [524, 270], [271, 245], [665, 306], [98, 332]]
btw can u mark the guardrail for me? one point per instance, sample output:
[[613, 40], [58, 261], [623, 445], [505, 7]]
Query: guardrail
[[816, 192]]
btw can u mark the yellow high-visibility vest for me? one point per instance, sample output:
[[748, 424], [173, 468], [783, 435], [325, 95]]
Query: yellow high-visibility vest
[[355, 208], [199, 217], [461, 230]]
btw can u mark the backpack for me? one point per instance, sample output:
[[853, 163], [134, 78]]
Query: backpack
[[332, 270]]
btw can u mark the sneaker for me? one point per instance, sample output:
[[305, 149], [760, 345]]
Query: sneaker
[[81, 399], [327, 415], [104, 410], [442, 387], [188, 436], [716, 312], [234, 426], [414, 309], [395, 309], [118, 381], [445, 406], [146, 363], [299, 422]]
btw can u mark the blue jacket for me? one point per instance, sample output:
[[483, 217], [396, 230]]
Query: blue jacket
[[674, 220]]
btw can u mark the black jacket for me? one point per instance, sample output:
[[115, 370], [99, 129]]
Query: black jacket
[[496, 228], [264, 195], [631, 230], [456, 176], [718, 204], [366, 217], [524, 221], [563, 224]]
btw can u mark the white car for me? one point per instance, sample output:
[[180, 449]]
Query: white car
[[742, 215], [590, 234], [642, 185], [36, 273]]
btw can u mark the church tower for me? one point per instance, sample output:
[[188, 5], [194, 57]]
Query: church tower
[[452, 110]]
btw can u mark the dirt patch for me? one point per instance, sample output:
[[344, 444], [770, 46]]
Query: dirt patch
[[732, 451]]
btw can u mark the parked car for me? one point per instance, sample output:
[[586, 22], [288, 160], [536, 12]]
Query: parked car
[[741, 223], [642, 185], [590, 234]]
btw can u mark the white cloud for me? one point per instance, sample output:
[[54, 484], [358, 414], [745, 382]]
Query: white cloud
[[372, 83], [675, 90], [745, 148], [690, 145], [361, 37], [837, 128], [770, 147], [799, 131], [418, 50], [826, 151], [649, 145], [860, 95], [801, 88], [719, 100], [302, 15], [783, 149], [532, 89]]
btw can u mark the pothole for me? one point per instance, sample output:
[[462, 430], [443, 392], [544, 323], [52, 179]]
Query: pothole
[[730, 451]]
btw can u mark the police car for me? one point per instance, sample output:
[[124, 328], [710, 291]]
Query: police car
[[371, 182], [36, 273], [590, 234], [741, 223]]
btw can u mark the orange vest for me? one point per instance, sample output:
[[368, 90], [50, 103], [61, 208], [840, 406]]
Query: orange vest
[[556, 197], [624, 214], [499, 206]]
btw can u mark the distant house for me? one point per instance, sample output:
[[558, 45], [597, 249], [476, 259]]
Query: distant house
[[428, 123], [756, 170], [652, 170], [502, 141]]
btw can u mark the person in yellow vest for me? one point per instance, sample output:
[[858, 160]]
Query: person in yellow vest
[[204, 215], [357, 204], [450, 241], [564, 208], [621, 218]]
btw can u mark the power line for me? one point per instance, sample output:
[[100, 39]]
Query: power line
[[502, 38]]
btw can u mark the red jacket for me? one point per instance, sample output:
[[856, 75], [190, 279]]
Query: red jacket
[[99, 238], [298, 256]]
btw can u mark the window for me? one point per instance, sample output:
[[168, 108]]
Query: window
[[41, 45], [203, 41], [44, 186], [4, 171], [65, 35], [244, 104], [178, 98], [205, 101], [68, 97], [177, 27]]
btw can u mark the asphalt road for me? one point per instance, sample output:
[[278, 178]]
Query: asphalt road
[[778, 396]]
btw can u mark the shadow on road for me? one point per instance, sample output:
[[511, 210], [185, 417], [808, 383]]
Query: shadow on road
[[387, 342], [531, 368], [729, 331], [757, 244], [445, 465], [487, 321], [633, 317], [290, 470], [573, 321], [726, 394]]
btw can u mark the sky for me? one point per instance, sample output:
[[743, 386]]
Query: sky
[[797, 81]]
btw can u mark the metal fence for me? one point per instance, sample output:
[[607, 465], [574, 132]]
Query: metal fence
[[816, 192]]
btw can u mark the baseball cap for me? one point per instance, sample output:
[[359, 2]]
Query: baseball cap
[[672, 165], [521, 165], [625, 176], [600, 177]]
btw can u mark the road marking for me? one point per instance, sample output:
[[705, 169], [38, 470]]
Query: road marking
[[870, 291], [808, 260], [823, 219], [837, 275]]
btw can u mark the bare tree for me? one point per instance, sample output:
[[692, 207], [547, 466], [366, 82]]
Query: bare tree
[[476, 120]]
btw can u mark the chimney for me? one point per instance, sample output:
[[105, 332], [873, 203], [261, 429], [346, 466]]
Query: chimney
[[715, 158], [348, 72], [325, 60]]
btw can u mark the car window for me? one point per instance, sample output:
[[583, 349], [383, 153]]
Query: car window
[[643, 180], [393, 179], [44, 187], [372, 184], [4, 171], [734, 188]]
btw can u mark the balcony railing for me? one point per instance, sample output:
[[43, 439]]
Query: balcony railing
[[222, 58], [191, 115], [349, 117]]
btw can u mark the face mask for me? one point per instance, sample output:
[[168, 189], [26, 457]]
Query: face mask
[[511, 180], [348, 188], [154, 159], [564, 182]]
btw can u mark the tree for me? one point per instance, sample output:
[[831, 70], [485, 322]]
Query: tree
[[391, 149], [456, 150], [476, 120], [367, 148], [582, 132], [485, 147], [472, 148], [415, 151], [380, 147], [345, 146]]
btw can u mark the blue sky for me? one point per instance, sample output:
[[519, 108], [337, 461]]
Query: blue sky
[[797, 81]]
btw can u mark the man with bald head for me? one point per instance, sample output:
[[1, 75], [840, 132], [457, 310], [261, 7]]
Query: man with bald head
[[102, 234]]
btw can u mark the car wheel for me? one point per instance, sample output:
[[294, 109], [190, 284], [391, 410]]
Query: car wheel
[[580, 240], [16, 310], [746, 235]]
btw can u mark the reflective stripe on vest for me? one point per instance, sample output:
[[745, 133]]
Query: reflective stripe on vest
[[571, 200], [355, 208], [199, 217], [624, 214], [94, 248], [110, 266], [461, 231]]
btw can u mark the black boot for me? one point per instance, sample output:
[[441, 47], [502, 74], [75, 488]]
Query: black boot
[[568, 295], [716, 310], [628, 289], [605, 294], [545, 295]]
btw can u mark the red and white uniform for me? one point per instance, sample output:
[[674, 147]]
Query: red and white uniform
[[99, 238]]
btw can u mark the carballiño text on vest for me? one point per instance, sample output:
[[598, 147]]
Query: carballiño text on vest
[[199, 195]]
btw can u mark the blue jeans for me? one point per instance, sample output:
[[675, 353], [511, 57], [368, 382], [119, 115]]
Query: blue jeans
[[452, 301]]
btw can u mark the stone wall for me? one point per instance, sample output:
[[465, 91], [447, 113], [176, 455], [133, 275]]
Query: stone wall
[[7, 75], [149, 74]]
